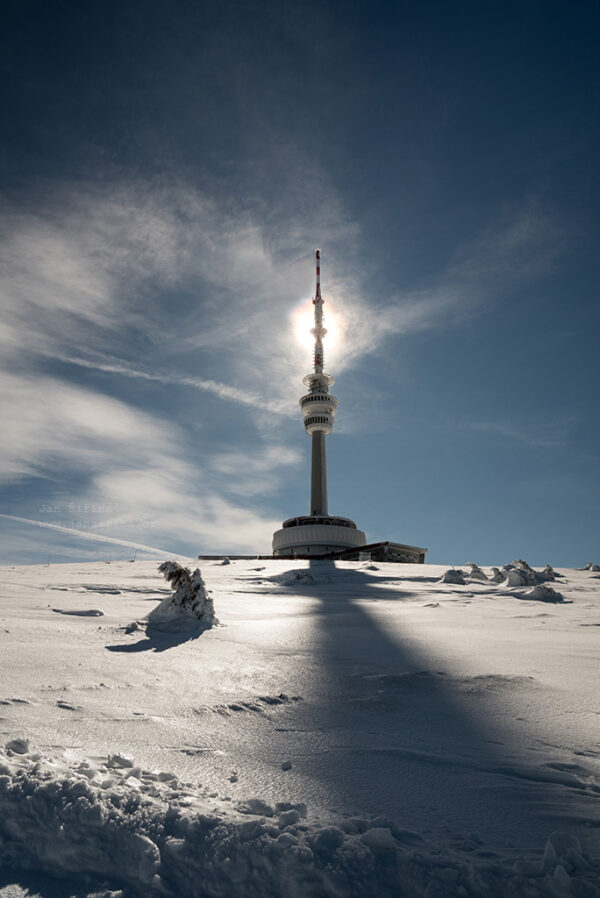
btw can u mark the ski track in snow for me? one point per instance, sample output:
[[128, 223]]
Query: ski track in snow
[[347, 730]]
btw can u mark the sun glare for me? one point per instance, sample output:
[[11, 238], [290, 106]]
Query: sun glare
[[303, 323]]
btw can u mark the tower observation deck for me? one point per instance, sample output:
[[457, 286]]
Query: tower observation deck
[[319, 532]]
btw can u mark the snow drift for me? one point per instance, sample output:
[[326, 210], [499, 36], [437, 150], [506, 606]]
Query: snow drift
[[454, 576], [146, 832]]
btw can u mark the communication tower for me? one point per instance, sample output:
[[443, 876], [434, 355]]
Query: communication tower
[[319, 532]]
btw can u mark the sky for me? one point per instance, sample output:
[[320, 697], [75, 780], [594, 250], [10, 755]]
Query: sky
[[166, 172]]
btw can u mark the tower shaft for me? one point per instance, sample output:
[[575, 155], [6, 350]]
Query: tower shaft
[[318, 407], [318, 476]]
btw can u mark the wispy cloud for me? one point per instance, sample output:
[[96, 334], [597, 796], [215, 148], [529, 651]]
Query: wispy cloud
[[522, 245], [160, 283], [119, 270], [99, 270], [247, 475], [223, 391], [89, 263], [550, 434], [127, 269], [525, 242], [129, 461], [65, 266], [171, 506], [54, 423], [93, 537]]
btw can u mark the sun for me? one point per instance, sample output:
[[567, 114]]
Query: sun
[[303, 322]]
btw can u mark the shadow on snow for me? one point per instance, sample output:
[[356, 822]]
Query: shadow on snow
[[158, 641], [407, 742]]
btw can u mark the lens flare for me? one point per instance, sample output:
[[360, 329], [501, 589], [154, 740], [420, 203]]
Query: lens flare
[[303, 322]]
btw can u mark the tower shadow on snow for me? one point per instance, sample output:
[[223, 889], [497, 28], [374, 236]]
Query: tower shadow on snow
[[390, 714]]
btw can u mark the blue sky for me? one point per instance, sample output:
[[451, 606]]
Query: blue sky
[[168, 169]]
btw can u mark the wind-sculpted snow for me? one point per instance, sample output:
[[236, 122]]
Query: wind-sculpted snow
[[117, 826], [85, 612], [189, 608], [304, 576], [454, 576], [541, 593], [519, 573]]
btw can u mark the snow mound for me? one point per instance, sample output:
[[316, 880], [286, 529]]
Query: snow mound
[[541, 593], [151, 835], [476, 572], [304, 575], [453, 576], [300, 577], [189, 608], [517, 577], [519, 573], [85, 612]]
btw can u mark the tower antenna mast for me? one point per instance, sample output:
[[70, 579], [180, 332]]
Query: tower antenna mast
[[318, 330]]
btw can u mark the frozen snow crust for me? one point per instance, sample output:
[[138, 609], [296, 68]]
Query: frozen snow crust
[[147, 833], [350, 729]]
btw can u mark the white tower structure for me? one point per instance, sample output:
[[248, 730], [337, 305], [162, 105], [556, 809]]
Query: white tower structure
[[319, 532]]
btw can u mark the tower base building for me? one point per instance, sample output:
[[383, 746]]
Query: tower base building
[[317, 535]]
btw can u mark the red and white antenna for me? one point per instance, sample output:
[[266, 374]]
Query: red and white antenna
[[318, 292], [318, 330]]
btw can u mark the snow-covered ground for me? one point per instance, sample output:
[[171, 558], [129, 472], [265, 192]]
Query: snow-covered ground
[[346, 729]]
